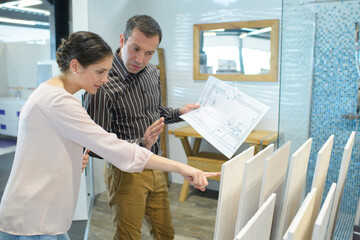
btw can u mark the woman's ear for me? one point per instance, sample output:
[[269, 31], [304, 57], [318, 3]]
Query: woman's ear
[[74, 66]]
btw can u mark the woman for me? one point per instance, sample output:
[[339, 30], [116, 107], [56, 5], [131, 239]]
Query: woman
[[42, 190]]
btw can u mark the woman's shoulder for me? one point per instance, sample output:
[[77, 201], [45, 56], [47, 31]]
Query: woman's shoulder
[[45, 98], [48, 95], [52, 90]]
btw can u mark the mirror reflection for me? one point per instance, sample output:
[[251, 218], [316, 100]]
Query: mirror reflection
[[236, 50], [241, 50]]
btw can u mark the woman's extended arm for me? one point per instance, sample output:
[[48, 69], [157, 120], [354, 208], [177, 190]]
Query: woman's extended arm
[[195, 176]]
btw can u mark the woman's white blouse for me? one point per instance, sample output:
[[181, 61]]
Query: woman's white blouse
[[41, 194]]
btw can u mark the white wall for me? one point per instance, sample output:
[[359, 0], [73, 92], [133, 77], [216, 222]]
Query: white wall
[[176, 19], [20, 34], [20, 50], [22, 71], [80, 15], [3, 70], [19, 66], [108, 18]]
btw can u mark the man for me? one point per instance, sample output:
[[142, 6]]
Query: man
[[129, 105]]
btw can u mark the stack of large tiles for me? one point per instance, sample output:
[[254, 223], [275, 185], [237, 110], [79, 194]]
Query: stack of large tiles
[[263, 197]]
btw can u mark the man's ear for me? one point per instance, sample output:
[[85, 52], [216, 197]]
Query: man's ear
[[122, 40], [74, 66]]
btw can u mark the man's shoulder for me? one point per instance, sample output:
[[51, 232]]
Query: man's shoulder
[[151, 72], [151, 67], [115, 85]]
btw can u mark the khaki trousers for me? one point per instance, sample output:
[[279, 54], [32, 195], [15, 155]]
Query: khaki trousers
[[134, 196]]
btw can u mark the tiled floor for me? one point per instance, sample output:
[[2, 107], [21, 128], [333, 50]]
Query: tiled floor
[[77, 230], [344, 227], [193, 219]]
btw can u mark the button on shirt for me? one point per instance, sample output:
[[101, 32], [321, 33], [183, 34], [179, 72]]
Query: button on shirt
[[129, 103]]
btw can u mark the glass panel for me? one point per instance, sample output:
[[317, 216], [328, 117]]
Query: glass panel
[[319, 90], [296, 73]]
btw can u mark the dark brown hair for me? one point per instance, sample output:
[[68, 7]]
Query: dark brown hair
[[86, 47], [144, 24]]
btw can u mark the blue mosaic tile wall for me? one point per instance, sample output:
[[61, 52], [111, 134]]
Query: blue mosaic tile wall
[[334, 93]]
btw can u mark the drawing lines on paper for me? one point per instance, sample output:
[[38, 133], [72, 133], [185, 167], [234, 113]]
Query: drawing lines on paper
[[226, 116], [211, 96]]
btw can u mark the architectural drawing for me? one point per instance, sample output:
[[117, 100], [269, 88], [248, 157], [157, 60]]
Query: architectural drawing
[[226, 116]]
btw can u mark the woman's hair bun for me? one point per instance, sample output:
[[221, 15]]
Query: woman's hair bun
[[62, 57], [86, 47]]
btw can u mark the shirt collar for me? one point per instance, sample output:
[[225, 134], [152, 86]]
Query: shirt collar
[[119, 65]]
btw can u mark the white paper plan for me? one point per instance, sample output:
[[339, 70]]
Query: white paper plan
[[226, 116]]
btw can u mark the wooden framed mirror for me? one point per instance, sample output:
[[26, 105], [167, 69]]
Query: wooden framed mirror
[[237, 51]]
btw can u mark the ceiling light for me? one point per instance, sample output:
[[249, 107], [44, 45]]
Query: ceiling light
[[27, 3], [25, 22], [218, 30], [209, 34], [262, 30], [17, 21], [14, 6]]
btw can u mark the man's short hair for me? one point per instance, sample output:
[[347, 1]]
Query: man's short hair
[[145, 24]]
